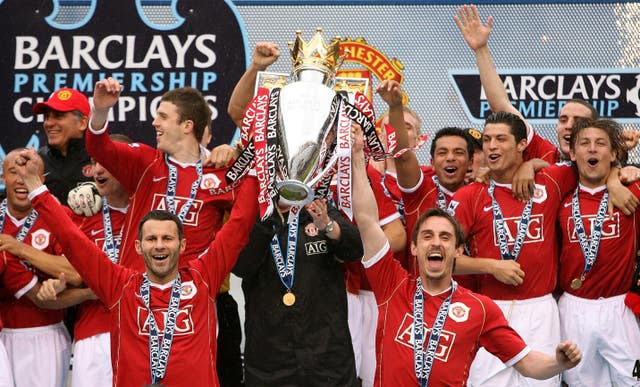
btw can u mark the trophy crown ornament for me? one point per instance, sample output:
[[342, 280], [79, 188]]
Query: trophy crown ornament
[[315, 54]]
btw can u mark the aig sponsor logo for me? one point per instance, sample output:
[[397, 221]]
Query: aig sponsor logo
[[540, 94], [610, 227], [404, 336], [535, 233], [191, 219], [184, 321], [317, 247]]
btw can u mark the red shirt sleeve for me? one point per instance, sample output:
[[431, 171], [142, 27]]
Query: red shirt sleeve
[[541, 148], [223, 252], [97, 271], [15, 276], [497, 336], [126, 162], [385, 274]]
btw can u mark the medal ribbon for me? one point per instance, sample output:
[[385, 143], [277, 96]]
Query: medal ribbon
[[441, 202], [26, 226], [286, 269], [111, 245], [500, 227], [159, 352], [589, 245], [171, 188], [423, 359]]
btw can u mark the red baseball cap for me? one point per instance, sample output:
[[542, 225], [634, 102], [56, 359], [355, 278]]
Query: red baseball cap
[[65, 100]]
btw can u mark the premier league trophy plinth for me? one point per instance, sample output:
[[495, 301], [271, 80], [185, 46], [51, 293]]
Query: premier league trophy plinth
[[306, 117]]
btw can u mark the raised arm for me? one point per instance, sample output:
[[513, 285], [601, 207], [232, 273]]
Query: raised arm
[[407, 166], [476, 35], [264, 55], [105, 278], [365, 209]]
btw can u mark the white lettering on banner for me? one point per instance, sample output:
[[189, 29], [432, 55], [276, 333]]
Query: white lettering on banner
[[30, 54], [191, 218], [551, 87], [610, 227], [184, 321], [535, 233], [404, 336]]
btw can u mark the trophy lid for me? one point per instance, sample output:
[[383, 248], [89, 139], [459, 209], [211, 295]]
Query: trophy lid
[[316, 54]]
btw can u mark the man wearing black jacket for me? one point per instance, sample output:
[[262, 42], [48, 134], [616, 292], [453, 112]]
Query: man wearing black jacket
[[296, 306]]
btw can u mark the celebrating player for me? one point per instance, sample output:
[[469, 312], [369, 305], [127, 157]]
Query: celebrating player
[[458, 320], [163, 321]]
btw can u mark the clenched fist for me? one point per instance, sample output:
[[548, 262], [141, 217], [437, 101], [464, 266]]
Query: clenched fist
[[85, 199]]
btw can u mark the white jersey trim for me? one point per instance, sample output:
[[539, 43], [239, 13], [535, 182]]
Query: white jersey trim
[[97, 131], [518, 357], [26, 288], [414, 188], [377, 257], [389, 219]]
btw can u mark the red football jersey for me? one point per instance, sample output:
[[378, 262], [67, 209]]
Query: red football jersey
[[612, 272], [538, 258], [192, 360], [15, 279], [22, 313], [473, 321], [143, 170], [387, 213], [541, 148], [93, 315]]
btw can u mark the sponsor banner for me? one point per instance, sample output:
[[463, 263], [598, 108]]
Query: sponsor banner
[[150, 46], [540, 94]]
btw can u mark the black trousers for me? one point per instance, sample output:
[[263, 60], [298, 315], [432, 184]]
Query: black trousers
[[229, 361]]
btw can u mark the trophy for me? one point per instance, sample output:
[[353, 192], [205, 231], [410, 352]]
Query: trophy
[[307, 119], [297, 129]]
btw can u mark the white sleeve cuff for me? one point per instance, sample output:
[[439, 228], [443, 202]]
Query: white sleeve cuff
[[97, 131], [413, 189], [26, 288], [377, 257], [518, 357], [384, 221], [37, 191]]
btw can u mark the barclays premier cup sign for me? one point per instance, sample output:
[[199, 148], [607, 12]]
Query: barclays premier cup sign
[[150, 46]]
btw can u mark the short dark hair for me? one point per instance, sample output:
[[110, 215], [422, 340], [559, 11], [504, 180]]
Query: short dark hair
[[594, 112], [191, 106], [451, 131], [161, 215], [440, 213], [517, 125], [613, 130]]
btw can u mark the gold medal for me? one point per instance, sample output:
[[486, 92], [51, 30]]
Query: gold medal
[[576, 283], [289, 298]]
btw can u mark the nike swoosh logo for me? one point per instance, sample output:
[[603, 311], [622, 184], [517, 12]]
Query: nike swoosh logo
[[487, 209], [567, 205], [96, 232], [157, 179]]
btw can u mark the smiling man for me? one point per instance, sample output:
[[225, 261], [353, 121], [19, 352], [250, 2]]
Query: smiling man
[[429, 325], [513, 244], [163, 321], [66, 162], [172, 177], [451, 153], [597, 263]]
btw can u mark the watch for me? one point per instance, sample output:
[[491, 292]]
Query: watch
[[328, 228]]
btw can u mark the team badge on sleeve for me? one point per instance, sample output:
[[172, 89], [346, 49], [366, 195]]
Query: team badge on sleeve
[[539, 194], [459, 312], [210, 181], [40, 239], [188, 290]]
